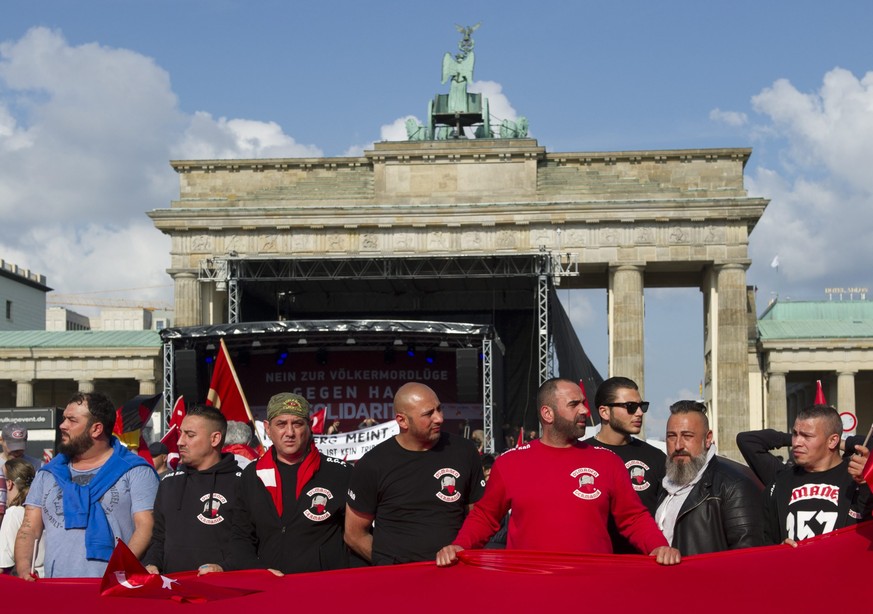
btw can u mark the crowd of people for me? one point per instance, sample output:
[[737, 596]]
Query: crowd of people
[[424, 494]]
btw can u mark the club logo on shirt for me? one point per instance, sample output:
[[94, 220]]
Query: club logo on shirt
[[318, 498], [827, 492], [586, 490], [637, 470], [211, 504], [448, 479]]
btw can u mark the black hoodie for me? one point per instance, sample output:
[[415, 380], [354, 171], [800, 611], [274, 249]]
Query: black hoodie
[[193, 517]]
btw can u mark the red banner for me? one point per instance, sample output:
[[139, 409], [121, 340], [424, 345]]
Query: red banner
[[756, 580]]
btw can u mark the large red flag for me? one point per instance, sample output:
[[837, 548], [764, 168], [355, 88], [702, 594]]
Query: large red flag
[[819, 394], [126, 577], [226, 394]]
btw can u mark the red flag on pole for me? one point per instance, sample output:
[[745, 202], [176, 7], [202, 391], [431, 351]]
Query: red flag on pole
[[226, 394], [819, 394], [126, 577], [171, 439], [867, 473], [520, 441], [317, 421], [178, 413]]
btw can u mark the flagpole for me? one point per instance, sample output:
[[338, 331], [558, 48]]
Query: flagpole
[[869, 434], [241, 392]]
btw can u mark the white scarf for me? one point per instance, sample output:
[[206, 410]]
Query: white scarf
[[668, 511]]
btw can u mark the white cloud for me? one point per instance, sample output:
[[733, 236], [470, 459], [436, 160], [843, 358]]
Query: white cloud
[[731, 118], [224, 138], [395, 131], [86, 134], [821, 190]]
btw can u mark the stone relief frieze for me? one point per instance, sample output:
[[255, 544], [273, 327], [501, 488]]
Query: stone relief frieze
[[234, 243], [267, 243], [679, 235], [201, 244], [438, 240], [337, 242], [608, 236], [369, 240], [644, 234], [301, 242], [472, 241], [506, 239]]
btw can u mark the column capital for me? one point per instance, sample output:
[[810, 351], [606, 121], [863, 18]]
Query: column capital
[[627, 266], [732, 265], [847, 372]]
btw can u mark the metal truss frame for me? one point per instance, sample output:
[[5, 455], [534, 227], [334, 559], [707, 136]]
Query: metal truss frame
[[169, 368], [488, 395]]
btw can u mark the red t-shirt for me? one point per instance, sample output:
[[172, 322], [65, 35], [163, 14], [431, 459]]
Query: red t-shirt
[[561, 499]]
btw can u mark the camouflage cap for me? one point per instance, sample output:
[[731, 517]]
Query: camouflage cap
[[287, 403]]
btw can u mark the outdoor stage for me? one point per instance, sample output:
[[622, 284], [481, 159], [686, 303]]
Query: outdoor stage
[[823, 574]]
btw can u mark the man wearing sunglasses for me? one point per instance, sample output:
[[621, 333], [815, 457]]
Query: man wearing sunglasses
[[621, 410]]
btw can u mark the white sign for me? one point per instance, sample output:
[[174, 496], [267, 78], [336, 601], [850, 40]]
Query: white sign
[[352, 446], [850, 422]]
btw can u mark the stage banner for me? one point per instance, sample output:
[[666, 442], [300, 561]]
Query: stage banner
[[351, 386], [352, 446]]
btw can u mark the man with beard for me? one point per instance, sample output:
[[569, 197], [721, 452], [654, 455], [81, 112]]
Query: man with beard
[[707, 505], [195, 504], [417, 486], [819, 493], [289, 514], [93, 491], [558, 481], [621, 412]]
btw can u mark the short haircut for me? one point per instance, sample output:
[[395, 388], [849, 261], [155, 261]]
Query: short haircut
[[213, 415], [833, 425], [238, 432], [487, 461], [687, 406], [100, 407], [546, 393], [608, 391]]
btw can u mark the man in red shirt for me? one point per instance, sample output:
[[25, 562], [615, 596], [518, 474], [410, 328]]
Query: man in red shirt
[[558, 481]]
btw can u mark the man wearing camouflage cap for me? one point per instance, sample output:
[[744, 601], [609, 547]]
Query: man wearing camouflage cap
[[292, 500]]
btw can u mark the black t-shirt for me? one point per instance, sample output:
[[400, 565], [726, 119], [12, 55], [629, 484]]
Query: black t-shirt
[[646, 466], [801, 504], [418, 499]]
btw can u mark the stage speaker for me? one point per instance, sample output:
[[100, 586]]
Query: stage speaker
[[467, 375], [190, 376]]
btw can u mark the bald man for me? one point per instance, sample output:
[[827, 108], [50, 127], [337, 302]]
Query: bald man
[[417, 486]]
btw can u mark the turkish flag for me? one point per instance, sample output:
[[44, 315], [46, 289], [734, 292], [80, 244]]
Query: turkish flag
[[171, 439], [226, 394], [126, 577], [317, 421]]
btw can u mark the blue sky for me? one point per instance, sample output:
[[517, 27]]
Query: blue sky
[[97, 96]]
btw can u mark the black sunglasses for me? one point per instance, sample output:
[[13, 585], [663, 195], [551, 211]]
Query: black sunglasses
[[631, 406]]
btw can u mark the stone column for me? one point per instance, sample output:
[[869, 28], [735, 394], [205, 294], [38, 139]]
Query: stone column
[[626, 315], [146, 386], [846, 393], [731, 364], [187, 301], [86, 385], [24, 393], [777, 402]]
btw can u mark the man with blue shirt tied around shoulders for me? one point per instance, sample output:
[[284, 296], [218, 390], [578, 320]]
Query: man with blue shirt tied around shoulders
[[93, 491]]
